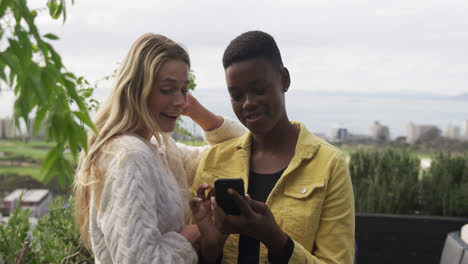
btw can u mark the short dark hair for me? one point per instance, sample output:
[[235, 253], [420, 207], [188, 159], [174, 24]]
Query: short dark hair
[[250, 45]]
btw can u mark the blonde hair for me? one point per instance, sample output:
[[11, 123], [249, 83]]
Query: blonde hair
[[125, 110]]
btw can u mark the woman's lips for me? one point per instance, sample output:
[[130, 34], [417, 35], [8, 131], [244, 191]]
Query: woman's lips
[[252, 118], [170, 116]]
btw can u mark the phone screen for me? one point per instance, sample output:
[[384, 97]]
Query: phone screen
[[223, 198]]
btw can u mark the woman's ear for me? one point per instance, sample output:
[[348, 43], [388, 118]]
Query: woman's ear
[[285, 79]]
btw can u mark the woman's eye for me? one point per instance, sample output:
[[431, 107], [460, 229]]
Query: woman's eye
[[236, 97], [259, 91], [168, 91]]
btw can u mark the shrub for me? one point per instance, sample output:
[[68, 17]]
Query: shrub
[[384, 181], [54, 240], [14, 242], [445, 186], [56, 237]]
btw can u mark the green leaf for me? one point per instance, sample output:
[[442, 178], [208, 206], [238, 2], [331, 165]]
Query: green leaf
[[58, 125], [70, 86], [25, 43], [54, 10], [2, 71], [35, 48], [67, 173], [17, 50], [48, 77], [3, 6], [51, 36], [12, 61], [84, 117], [47, 168], [54, 56], [72, 138], [192, 83], [34, 79], [40, 115], [21, 108]]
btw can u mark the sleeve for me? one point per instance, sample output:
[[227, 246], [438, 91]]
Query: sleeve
[[334, 242], [130, 214], [191, 155], [285, 255]]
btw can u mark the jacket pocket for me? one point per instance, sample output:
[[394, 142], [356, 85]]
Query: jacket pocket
[[302, 206], [302, 192], [210, 175]]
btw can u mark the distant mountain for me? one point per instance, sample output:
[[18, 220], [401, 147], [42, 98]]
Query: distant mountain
[[403, 94], [463, 96]]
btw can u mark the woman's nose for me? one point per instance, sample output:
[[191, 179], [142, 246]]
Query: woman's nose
[[180, 99], [249, 102]]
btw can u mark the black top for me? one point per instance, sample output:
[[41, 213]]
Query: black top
[[260, 186]]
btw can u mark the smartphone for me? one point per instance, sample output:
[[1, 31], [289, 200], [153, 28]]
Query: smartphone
[[223, 198]]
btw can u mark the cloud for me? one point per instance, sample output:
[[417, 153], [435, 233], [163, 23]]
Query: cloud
[[360, 45]]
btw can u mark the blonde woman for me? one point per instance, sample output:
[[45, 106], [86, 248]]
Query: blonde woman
[[132, 187]]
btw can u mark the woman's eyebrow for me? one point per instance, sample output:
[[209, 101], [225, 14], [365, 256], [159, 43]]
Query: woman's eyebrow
[[172, 80], [257, 82]]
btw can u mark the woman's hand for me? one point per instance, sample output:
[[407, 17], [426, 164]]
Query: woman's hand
[[200, 115], [192, 234], [192, 106], [255, 220], [212, 240]]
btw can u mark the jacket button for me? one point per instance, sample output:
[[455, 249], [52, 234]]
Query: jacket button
[[304, 190]]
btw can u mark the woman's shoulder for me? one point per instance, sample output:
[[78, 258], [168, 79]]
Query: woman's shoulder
[[322, 147], [129, 142], [127, 147]]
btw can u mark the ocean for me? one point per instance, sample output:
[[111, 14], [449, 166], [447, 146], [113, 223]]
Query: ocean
[[322, 112]]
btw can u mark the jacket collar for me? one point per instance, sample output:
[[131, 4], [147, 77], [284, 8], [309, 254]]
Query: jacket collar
[[306, 147], [307, 144]]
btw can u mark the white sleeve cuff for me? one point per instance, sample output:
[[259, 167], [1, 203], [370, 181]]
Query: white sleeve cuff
[[229, 129]]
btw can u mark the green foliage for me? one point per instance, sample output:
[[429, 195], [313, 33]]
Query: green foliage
[[14, 244], [384, 181], [445, 187], [56, 237], [54, 240], [42, 85], [192, 83], [11, 182], [179, 128]]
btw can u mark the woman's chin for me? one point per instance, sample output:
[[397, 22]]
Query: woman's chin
[[167, 128]]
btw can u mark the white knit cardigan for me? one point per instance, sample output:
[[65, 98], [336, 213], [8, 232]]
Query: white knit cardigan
[[144, 201]]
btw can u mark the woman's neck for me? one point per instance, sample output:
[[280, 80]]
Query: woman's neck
[[274, 151], [283, 137], [144, 133]]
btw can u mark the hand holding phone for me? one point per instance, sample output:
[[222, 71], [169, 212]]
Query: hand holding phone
[[223, 198]]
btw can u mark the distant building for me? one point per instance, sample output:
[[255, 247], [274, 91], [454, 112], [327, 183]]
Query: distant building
[[30, 133], [7, 129], [465, 130], [340, 134], [379, 132], [451, 131], [421, 133], [36, 200]]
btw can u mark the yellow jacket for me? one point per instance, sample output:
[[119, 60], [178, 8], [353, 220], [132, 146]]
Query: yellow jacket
[[312, 202]]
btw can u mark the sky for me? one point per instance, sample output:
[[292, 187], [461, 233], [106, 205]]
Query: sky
[[369, 46]]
